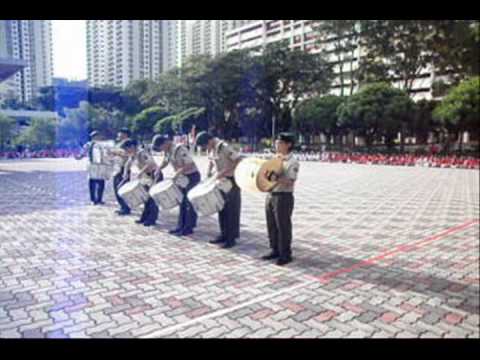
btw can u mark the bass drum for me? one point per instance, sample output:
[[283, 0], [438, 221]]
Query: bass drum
[[251, 174]]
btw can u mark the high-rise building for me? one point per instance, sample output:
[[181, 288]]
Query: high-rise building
[[121, 51], [169, 45], [181, 42], [27, 43], [299, 35], [202, 37]]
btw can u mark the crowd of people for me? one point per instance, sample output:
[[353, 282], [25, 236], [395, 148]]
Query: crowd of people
[[28, 154], [438, 161], [430, 160]]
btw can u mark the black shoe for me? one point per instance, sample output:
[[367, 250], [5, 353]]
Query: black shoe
[[284, 261], [175, 232], [270, 256], [140, 221], [149, 223], [228, 245], [122, 213], [218, 240], [100, 202], [186, 232]]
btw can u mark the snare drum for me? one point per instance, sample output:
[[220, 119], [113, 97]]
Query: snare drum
[[99, 171], [166, 194], [133, 193], [206, 198], [224, 185], [182, 181]]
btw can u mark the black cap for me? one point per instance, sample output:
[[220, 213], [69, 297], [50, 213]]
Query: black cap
[[94, 133], [287, 137], [129, 144], [125, 131], [158, 141], [202, 138]]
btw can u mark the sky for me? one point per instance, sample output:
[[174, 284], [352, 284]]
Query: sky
[[69, 49]]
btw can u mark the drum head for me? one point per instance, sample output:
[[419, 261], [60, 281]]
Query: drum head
[[129, 186], [202, 188], [273, 165], [161, 186]]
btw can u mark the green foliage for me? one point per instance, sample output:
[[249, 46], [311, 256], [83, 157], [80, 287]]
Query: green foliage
[[143, 123], [395, 50], [45, 99], [165, 126], [376, 110], [456, 48], [40, 134], [423, 121], [7, 128], [460, 109], [342, 36], [318, 115], [288, 75]]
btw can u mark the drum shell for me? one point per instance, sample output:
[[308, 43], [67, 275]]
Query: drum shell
[[133, 193], [206, 198], [224, 185], [166, 196], [99, 171], [250, 174]]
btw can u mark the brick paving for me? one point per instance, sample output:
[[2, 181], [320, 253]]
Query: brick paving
[[379, 252]]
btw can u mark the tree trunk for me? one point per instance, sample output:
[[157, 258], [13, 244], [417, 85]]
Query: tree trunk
[[402, 139]]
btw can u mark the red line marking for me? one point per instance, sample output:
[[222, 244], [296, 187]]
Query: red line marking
[[325, 278]]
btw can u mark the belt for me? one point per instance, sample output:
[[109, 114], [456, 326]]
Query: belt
[[281, 193]]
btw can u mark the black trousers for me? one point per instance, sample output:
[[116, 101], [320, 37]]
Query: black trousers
[[187, 218], [150, 210], [229, 217], [278, 210], [96, 188], [118, 181]]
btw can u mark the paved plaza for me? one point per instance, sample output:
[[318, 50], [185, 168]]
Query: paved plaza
[[379, 252]]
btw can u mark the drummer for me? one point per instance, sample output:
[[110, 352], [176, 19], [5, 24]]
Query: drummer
[[179, 157], [224, 159], [149, 175], [122, 136], [96, 185], [280, 201]]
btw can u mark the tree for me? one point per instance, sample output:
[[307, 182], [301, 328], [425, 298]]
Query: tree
[[7, 128], [423, 122], [456, 48], [40, 134], [342, 36], [165, 126], [109, 98], [73, 130], [395, 50], [143, 123], [319, 115], [459, 111], [288, 76], [136, 96], [46, 99], [376, 111], [186, 119]]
